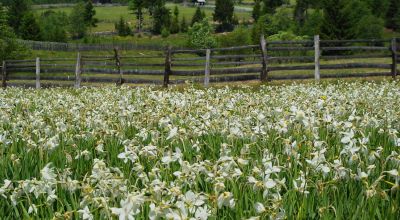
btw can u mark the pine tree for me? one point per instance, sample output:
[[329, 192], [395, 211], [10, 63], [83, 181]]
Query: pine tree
[[17, 9], [271, 5], [9, 47], [78, 25], [175, 21], [300, 11], [256, 10], [198, 16], [122, 27], [379, 7], [89, 14], [223, 13], [343, 19], [184, 25], [161, 17], [29, 28], [137, 7], [393, 15]]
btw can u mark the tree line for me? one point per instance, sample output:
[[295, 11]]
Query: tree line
[[332, 19]]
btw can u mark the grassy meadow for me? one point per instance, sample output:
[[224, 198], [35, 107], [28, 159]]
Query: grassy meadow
[[109, 15]]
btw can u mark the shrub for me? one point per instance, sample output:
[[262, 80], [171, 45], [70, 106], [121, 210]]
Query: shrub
[[200, 36]]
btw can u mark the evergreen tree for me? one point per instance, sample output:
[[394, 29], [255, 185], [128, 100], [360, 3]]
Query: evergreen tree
[[17, 9], [197, 16], [379, 7], [122, 27], [393, 15], [256, 10], [343, 19], [184, 25], [175, 21], [137, 7], [89, 14], [29, 28], [223, 13], [78, 25], [271, 5], [9, 47], [300, 11], [161, 17]]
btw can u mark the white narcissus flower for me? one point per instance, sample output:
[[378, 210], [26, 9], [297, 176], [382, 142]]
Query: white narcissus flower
[[129, 207], [32, 209], [393, 172], [48, 174], [202, 213], [226, 199], [86, 214], [172, 133], [259, 207]]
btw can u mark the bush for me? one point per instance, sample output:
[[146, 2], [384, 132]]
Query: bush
[[200, 36], [165, 32], [53, 26], [239, 37], [288, 36]]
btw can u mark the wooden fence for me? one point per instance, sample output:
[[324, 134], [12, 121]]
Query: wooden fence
[[250, 62]]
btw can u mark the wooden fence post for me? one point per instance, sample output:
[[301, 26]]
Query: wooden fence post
[[37, 73], [167, 71], [4, 75], [78, 71], [317, 54], [393, 49], [118, 65], [207, 68], [264, 71]]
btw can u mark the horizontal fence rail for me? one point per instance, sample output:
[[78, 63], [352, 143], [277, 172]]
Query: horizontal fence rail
[[275, 60]]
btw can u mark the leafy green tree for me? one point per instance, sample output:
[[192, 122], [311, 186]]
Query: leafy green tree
[[161, 17], [9, 47], [137, 7], [53, 26], [17, 9], [197, 16], [256, 10], [200, 36], [259, 28], [89, 14], [29, 28], [78, 26], [223, 13], [175, 21], [312, 24], [393, 15], [281, 20]]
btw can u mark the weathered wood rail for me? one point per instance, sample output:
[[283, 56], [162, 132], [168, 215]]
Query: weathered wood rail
[[308, 59]]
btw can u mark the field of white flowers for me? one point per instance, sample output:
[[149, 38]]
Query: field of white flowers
[[285, 152]]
